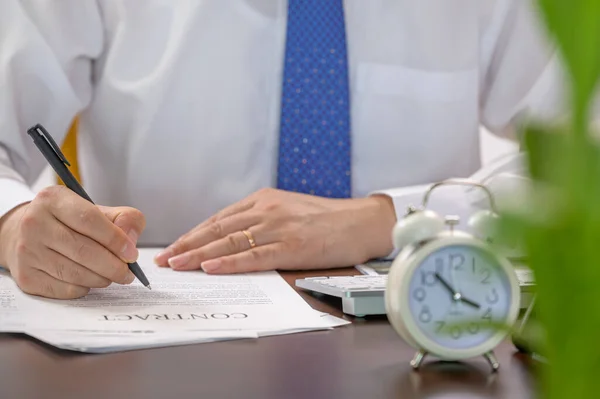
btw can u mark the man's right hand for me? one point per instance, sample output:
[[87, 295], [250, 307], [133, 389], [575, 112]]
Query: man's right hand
[[60, 245]]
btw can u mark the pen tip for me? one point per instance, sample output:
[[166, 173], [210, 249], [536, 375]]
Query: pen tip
[[148, 286]]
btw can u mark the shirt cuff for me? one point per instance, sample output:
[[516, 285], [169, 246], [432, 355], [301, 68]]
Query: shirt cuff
[[447, 200], [14, 193]]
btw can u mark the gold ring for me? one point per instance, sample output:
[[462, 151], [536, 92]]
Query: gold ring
[[250, 238]]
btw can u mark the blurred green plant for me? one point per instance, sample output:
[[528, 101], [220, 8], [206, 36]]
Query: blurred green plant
[[560, 225]]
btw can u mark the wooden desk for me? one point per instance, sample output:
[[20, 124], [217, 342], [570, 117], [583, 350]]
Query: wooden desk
[[364, 360]]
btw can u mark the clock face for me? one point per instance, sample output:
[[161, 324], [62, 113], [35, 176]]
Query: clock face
[[456, 293]]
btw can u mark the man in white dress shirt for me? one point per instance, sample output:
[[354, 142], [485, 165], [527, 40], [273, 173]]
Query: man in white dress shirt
[[206, 112]]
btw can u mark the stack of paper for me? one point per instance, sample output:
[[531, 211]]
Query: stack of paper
[[182, 308]]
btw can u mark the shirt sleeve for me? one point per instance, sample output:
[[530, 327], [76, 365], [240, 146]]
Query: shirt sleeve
[[512, 91], [522, 78], [46, 53]]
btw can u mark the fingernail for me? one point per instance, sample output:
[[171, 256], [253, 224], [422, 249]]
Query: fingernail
[[130, 278], [163, 256], [133, 235], [211, 265], [179, 261], [130, 253]]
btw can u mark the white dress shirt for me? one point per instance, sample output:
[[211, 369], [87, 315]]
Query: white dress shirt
[[180, 99]]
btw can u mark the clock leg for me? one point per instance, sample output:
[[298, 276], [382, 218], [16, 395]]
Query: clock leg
[[418, 359], [491, 358]]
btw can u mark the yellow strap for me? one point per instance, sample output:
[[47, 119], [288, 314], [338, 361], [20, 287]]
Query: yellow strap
[[69, 148]]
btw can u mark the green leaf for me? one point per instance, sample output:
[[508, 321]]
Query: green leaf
[[560, 225], [547, 149], [575, 25]]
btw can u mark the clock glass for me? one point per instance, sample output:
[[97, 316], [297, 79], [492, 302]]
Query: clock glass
[[457, 296]]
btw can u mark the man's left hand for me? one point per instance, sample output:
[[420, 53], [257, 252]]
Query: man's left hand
[[289, 230]]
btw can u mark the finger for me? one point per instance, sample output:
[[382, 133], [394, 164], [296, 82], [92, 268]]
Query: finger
[[239, 207], [267, 257], [129, 220], [217, 226], [85, 251], [216, 230], [232, 244], [38, 282], [64, 269], [86, 219]]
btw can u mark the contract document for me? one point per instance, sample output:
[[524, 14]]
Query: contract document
[[182, 308]]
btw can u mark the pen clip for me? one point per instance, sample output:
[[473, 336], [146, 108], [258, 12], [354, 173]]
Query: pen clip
[[40, 130]]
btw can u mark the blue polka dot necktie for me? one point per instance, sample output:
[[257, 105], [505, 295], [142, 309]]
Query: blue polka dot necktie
[[314, 139]]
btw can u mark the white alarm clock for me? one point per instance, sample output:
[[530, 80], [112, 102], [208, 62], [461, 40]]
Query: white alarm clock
[[449, 291]]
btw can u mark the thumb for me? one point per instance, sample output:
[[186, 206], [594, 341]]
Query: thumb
[[130, 220]]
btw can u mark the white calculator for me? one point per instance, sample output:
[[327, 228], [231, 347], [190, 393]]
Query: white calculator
[[363, 295]]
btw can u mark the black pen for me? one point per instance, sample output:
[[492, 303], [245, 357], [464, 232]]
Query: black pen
[[51, 151]]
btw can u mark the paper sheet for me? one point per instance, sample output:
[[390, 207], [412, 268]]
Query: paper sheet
[[118, 341], [183, 307]]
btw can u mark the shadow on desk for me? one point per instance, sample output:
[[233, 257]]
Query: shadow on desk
[[439, 377]]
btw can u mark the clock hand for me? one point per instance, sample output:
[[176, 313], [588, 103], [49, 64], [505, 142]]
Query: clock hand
[[455, 295], [470, 302]]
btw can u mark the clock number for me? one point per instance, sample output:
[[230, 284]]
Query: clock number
[[440, 326], [473, 263], [488, 274], [428, 278], [425, 315], [473, 328], [493, 298], [487, 315], [455, 332], [457, 261], [419, 294]]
